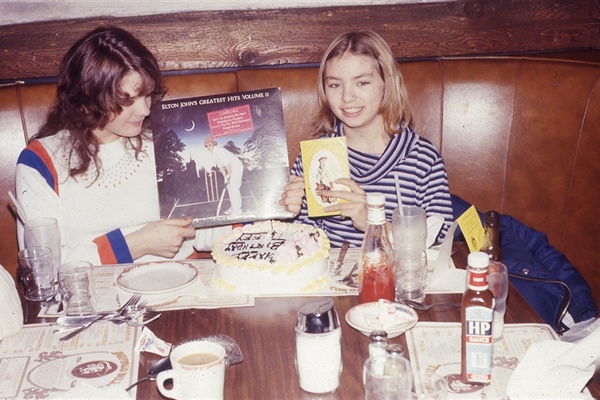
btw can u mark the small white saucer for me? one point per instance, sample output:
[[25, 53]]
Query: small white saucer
[[394, 318]]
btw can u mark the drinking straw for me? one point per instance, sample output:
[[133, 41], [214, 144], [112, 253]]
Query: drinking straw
[[398, 195], [19, 207]]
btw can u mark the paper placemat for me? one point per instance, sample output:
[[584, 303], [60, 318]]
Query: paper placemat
[[34, 363], [434, 347]]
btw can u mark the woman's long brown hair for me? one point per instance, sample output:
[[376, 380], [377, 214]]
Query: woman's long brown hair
[[89, 90]]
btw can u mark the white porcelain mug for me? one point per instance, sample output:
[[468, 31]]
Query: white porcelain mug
[[197, 371]]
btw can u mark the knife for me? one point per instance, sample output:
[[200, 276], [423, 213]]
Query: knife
[[339, 264], [74, 320], [83, 327]]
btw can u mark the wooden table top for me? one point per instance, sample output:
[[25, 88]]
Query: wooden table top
[[266, 336]]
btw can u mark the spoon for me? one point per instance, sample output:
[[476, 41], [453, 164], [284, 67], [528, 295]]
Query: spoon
[[161, 365], [424, 307]]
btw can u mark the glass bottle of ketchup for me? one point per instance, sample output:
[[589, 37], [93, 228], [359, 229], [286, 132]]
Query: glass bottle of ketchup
[[376, 259]]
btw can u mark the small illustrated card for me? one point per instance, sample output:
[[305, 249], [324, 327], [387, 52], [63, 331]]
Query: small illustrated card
[[471, 227], [324, 160]]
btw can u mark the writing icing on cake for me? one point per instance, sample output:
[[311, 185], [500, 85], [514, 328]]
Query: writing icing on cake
[[272, 257]]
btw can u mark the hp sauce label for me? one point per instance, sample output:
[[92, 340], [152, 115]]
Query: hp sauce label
[[479, 344]]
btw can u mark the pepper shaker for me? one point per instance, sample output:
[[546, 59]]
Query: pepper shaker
[[318, 346]]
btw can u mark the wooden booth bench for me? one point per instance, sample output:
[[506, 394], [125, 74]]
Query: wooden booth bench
[[518, 135]]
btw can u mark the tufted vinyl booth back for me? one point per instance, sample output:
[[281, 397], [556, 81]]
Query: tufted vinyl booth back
[[518, 135]]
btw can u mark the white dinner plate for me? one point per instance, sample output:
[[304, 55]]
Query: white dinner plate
[[153, 278], [394, 318]]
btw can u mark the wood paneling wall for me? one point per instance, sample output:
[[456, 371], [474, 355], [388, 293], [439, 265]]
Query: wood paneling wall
[[229, 39]]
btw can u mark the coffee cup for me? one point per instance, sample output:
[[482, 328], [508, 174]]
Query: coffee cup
[[197, 371]]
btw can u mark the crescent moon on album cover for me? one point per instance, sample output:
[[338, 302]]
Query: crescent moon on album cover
[[192, 128]]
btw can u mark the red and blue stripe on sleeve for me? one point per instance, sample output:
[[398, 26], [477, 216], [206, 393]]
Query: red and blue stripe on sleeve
[[112, 248], [36, 156]]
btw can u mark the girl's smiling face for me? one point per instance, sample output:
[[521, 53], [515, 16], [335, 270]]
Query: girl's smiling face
[[354, 90]]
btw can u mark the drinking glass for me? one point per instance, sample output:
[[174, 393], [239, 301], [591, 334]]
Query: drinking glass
[[76, 281], [498, 284], [411, 274], [387, 377], [44, 232], [409, 228], [434, 387], [37, 274]]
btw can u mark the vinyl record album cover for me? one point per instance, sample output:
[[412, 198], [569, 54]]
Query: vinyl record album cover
[[221, 159]]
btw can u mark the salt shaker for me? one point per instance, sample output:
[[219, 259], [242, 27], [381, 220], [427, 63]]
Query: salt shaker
[[318, 346], [377, 347], [378, 343]]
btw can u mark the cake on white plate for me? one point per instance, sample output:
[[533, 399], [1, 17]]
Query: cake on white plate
[[272, 257]]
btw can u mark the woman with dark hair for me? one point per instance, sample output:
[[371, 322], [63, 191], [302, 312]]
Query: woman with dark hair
[[362, 96], [91, 166]]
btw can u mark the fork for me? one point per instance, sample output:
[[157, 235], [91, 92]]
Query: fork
[[348, 278], [133, 300], [147, 313], [131, 319]]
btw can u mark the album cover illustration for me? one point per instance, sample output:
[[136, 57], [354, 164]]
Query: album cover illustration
[[221, 159]]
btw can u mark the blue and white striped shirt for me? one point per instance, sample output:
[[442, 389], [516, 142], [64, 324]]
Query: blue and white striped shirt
[[419, 168]]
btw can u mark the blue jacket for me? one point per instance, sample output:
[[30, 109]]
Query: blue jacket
[[528, 255]]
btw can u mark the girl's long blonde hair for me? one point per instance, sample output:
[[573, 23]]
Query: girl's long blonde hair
[[395, 107]]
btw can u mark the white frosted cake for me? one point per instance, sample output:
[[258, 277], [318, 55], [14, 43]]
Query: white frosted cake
[[272, 257]]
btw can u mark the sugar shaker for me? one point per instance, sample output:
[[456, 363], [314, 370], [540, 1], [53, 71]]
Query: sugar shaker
[[318, 346]]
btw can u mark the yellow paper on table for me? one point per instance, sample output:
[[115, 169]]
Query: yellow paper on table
[[472, 229], [324, 160]]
